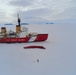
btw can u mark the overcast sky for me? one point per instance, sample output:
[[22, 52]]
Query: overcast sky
[[44, 9]]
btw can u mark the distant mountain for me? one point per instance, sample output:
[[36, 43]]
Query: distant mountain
[[32, 20], [24, 23], [8, 24], [41, 22], [68, 20], [36, 20]]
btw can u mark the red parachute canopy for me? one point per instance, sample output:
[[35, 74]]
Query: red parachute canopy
[[27, 47]]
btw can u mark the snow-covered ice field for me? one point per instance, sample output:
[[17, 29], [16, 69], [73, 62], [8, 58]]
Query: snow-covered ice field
[[59, 57]]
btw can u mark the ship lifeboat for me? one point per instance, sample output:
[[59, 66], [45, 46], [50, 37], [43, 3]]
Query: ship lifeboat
[[28, 47]]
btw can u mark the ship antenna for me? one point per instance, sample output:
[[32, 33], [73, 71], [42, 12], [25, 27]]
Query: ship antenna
[[19, 20]]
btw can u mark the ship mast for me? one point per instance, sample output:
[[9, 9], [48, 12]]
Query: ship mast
[[19, 20]]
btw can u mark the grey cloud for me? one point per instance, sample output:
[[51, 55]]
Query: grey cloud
[[34, 15], [2, 15], [43, 12], [50, 9], [21, 3], [68, 13]]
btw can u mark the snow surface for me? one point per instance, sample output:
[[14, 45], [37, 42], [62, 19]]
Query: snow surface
[[59, 57]]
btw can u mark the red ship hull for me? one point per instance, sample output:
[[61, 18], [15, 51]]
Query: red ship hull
[[37, 38]]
